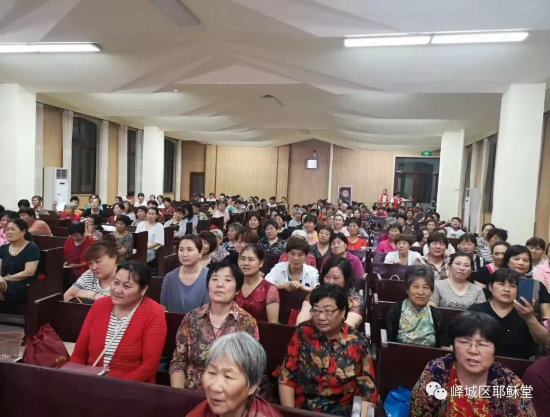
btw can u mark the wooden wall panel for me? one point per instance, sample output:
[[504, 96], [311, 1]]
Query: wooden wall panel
[[193, 160], [305, 185], [283, 160], [368, 172], [210, 170], [52, 148], [246, 171], [112, 176], [542, 225]]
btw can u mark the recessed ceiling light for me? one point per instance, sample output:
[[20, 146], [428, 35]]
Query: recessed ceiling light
[[387, 41], [48, 48], [175, 91], [480, 37]]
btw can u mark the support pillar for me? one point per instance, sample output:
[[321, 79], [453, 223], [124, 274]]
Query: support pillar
[[450, 174], [153, 161]]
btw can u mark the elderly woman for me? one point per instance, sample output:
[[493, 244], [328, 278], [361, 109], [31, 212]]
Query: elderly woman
[[435, 259], [202, 326], [18, 262], [118, 210], [101, 258], [310, 258], [338, 271], [69, 213], [537, 246], [484, 273], [258, 296], [125, 332], [403, 256], [232, 233], [125, 240], [272, 242], [234, 370], [339, 249], [155, 233], [414, 321], [321, 249], [327, 362], [73, 252], [475, 337], [184, 289], [456, 291], [520, 329], [220, 253]]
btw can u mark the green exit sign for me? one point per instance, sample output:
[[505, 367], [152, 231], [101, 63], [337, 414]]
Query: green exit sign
[[426, 153]]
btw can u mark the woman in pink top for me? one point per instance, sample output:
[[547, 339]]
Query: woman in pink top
[[339, 249], [542, 272], [389, 245]]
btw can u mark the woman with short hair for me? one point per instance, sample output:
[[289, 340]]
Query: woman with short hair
[[483, 275], [467, 243], [354, 241], [309, 222], [403, 255], [483, 246], [232, 232], [537, 246], [321, 249], [126, 331], [219, 254], [389, 245], [234, 370], [414, 320], [129, 210], [155, 233], [125, 240], [475, 337], [272, 242], [95, 204], [435, 259], [73, 252], [5, 218], [339, 249], [209, 245], [69, 213], [202, 326], [91, 225], [118, 210]]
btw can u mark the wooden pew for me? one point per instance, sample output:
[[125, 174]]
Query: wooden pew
[[60, 231], [169, 263], [290, 301], [59, 393], [270, 261], [391, 290], [218, 222], [388, 271], [57, 222], [203, 225], [168, 247], [400, 364], [155, 287], [140, 245], [49, 242]]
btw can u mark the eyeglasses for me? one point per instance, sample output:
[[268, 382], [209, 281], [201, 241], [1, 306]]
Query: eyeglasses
[[479, 344], [315, 312]]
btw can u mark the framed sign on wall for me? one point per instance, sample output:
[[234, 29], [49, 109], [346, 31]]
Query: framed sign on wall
[[344, 193]]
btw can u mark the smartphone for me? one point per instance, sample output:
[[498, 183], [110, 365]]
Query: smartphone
[[525, 290]]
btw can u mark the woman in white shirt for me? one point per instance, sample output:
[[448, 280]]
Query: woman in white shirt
[[403, 256], [155, 233]]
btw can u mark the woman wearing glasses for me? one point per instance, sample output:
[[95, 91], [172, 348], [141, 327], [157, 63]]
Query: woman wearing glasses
[[475, 339], [327, 362]]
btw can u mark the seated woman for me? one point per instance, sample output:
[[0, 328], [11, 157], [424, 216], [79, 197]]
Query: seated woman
[[94, 208], [177, 223], [125, 240], [73, 253], [339, 249], [141, 216], [520, 329], [354, 241], [389, 245], [450, 248], [5, 218], [234, 370], [282, 231], [321, 249], [69, 213], [209, 245], [118, 210], [542, 272], [421, 238], [456, 292], [327, 362], [468, 244], [18, 262], [245, 237], [95, 283], [221, 212], [475, 337], [403, 256], [219, 254], [271, 242], [294, 275], [155, 233], [435, 259], [255, 224], [129, 210], [414, 321], [232, 232], [484, 274], [91, 225], [537, 246], [483, 246], [125, 332], [258, 296], [308, 225], [338, 271], [339, 225], [184, 289], [310, 258], [202, 326], [536, 376]]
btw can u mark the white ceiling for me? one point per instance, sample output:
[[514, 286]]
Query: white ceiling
[[363, 98]]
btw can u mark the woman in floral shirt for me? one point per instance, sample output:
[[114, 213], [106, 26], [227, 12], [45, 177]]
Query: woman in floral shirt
[[202, 326], [472, 365]]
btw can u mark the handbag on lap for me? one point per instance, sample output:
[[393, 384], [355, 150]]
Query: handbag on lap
[[46, 349]]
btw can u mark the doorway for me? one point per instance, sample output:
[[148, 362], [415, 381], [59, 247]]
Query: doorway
[[417, 179], [196, 184]]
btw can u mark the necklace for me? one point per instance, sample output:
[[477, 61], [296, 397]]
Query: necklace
[[212, 321]]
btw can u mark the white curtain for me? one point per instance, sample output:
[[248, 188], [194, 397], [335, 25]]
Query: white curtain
[[103, 161], [38, 177], [122, 188], [139, 162], [68, 143], [179, 148]]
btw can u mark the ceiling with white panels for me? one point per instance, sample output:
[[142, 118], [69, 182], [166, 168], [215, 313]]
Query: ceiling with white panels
[[257, 72]]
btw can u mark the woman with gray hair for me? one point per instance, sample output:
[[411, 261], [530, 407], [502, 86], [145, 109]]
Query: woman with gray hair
[[413, 320], [69, 212], [234, 369], [220, 253]]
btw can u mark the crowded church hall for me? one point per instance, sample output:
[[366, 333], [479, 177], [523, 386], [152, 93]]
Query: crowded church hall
[[251, 208]]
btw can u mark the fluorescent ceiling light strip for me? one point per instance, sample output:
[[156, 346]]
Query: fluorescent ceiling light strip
[[480, 37], [48, 47], [387, 41]]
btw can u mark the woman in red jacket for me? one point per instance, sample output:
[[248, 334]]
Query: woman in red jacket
[[124, 333], [73, 251]]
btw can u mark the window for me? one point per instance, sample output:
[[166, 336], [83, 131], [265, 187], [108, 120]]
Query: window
[[132, 140], [490, 180], [169, 156], [83, 169]]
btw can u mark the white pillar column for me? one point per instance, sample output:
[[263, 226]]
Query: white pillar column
[[103, 161], [450, 174], [67, 130], [179, 150], [484, 167], [153, 160], [18, 144], [139, 163], [122, 187], [518, 160], [38, 174], [331, 157]]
